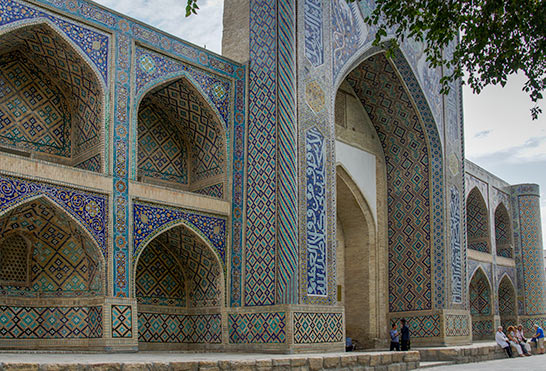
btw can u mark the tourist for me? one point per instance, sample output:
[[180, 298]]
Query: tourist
[[405, 341], [539, 336], [349, 346], [522, 340], [502, 340], [395, 343], [510, 334]]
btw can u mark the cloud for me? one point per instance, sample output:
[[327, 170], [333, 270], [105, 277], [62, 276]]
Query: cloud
[[202, 29], [482, 134]]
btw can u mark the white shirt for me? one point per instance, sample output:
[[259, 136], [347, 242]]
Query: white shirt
[[501, 339]]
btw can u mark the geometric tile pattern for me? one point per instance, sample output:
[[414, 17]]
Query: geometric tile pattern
[[215, 190], [150, 220], [318, 328], [93, 44], [250, 328], [532, 254], [317, 275], [195, 261], [64, 260], [314, 48], [479, 292], [262, 146], [482, 329], [179, 328], [457, 325], [70, 85], [91, 164], [455, 244], [50, 322], [287, 188], [422, 326], [162, 152], [90, 209], [503, 232], [477, 230], [159, 279], [122, 321], [507, 298], [188, 128], [408, 167], [14, 258]]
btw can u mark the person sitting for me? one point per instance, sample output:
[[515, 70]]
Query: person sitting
[[514, 341], [349, 346], [539, 338], [395, 342], [502, 340], [522, 340]]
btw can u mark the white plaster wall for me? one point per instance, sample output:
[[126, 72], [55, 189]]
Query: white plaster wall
[[361, 167]]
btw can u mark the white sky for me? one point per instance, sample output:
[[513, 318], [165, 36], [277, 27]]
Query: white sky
[[499, 133]]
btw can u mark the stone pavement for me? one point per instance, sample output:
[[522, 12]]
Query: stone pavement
[[173, 361], [536, 362]]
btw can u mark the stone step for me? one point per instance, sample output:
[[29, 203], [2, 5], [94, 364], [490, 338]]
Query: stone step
[[435, 364]]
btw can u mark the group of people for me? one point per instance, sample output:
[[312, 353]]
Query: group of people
[[401, 338], [514, 337]]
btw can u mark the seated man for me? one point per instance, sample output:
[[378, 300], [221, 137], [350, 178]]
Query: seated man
[[539, 336], [349, 346], [503, 341]]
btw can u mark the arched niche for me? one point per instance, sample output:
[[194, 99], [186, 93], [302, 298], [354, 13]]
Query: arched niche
[[477, 224], [179, 288], [507, 302], [503, 232], [52, 106], [181, 141], [356, 261], [480, 304]]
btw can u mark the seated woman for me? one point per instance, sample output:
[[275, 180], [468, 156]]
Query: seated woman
[[520, 336], [514, 342]]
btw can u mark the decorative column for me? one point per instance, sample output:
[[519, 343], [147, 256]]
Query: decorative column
[[531, 291]]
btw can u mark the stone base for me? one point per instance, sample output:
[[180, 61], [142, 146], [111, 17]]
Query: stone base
[[465, 354]]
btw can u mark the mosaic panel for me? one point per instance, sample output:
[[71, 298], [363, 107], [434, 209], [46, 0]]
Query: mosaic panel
[[55, 322], [503, 232], [457, 325], [152, 67], [312, 328], [346, 33], [422, 326], [479, 293], [507, 298], [455, 244], [179, 328], [287, 187], [34, 114], [262, 163], [317, 275], [483, 329], [162, 151], [91, 164], [150, 220], [122, 321], [532, 254], [90, 209], [15, 259], [314, 47], [159, 278], [188, 118], [64, 261], [408, 167], [254, 328], [93, 44], [215, 190], [476, 222], [199, 266]]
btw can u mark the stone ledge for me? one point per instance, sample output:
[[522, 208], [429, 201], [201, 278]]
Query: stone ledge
[[341, 361]]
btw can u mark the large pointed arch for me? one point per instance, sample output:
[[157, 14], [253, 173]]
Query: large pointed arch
[[70, 128], [503, 232], [507, 302], [481, 304]]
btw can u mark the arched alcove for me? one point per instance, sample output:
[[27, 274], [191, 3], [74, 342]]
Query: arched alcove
[[480, 303], [477, 225], [51, 106], [179, 290], [507, 302], [503, 232], [181, 142], [356, 261]]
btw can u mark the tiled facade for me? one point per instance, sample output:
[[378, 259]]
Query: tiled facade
[[155, 195]]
